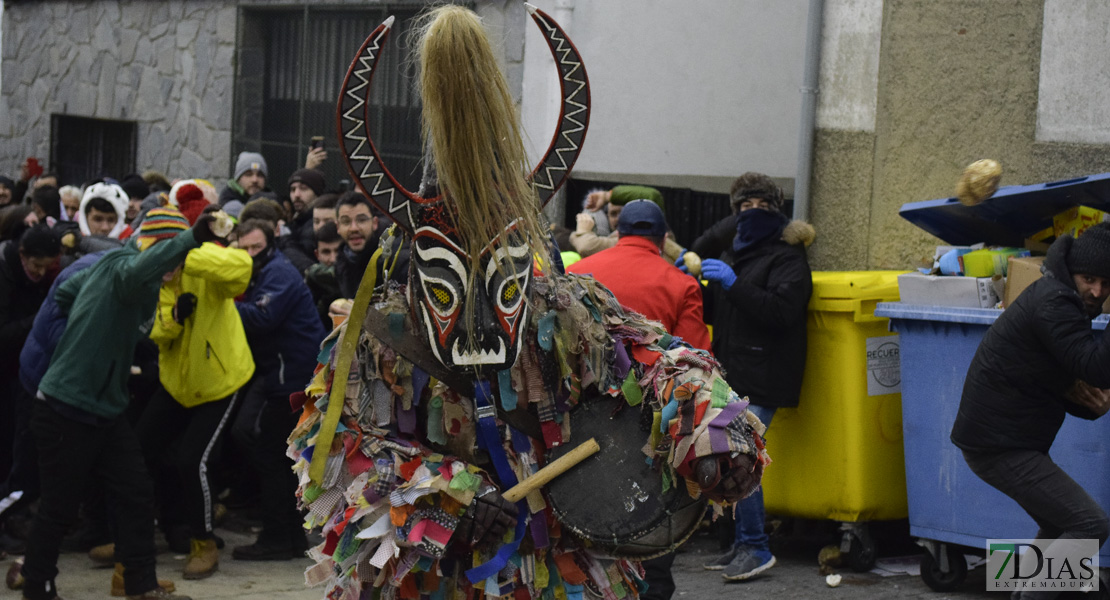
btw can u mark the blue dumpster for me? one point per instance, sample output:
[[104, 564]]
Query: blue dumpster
[[948, 504]]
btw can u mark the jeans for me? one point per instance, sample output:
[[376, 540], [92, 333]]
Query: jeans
[[749, 511], [71, 455], [262, 426], [197, 432], [1059, 505]]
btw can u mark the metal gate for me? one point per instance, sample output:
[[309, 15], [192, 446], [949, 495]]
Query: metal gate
[[291, 66]]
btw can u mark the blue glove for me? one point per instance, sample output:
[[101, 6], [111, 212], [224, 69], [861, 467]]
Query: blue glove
[[719, 271], [681, 262]]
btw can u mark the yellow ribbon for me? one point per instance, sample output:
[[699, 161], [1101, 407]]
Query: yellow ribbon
[[348, 344]]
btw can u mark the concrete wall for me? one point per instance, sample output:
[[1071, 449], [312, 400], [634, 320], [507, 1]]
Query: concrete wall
[[708, 89], [957, 80]]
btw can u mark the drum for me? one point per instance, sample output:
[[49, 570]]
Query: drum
[[614, 501]]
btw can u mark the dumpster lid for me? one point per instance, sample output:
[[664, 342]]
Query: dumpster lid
[[881, 285], [1012, 214], [955, 314]]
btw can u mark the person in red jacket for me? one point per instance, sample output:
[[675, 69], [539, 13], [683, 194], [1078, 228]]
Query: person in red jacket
[[643, 280]]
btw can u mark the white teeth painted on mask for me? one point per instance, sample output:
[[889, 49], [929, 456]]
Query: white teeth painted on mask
[[480, 357]]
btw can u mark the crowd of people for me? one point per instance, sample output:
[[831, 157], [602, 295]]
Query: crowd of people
[[133, 328]]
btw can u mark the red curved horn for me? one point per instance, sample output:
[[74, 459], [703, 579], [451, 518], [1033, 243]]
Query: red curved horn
[[351, 122], [574, 114]]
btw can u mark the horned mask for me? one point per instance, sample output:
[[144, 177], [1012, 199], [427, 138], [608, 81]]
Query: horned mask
[[474, 223]]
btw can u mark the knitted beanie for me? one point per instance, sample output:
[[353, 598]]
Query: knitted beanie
[[191, 196], [134, 185], [161, 224], [250, 161], [1090, 252], [310, 177], [623, 194]]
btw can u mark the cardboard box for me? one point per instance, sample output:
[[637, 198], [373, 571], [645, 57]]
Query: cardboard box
[[1076, 220], [1023, 271], [939, 290]]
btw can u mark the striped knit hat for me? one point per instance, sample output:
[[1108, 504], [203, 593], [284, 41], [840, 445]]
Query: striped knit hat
[[161, 224]]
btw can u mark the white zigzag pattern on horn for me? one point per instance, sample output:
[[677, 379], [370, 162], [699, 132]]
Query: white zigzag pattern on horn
[[370, 171], [566, 53]]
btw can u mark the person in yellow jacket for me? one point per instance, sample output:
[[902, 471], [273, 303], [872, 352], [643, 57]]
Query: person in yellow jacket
[[203, 361]]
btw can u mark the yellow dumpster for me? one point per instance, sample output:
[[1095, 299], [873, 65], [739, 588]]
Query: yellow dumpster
[[838, 455]]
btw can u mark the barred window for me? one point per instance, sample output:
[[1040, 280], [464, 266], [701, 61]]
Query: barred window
[[83, 149], [291, 65]]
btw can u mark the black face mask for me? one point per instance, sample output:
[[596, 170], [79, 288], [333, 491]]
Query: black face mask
[[261, 259], [756, 225]]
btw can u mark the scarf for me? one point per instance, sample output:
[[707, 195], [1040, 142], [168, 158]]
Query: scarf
[[756, 226]]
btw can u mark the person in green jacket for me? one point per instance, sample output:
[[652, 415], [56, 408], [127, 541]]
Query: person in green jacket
[[78, 423], [203, 360]]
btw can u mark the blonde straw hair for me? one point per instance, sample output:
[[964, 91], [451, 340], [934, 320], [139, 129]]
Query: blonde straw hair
[[473, 129]]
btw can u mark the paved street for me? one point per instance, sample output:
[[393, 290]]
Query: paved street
[[795, 577]]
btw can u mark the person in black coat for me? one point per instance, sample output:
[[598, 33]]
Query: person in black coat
[[757, 297], [1038, 362], [284, 333], [27, 269]]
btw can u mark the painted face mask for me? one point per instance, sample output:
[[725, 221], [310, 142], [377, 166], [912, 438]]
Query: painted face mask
[[473, 308], [471, 322]]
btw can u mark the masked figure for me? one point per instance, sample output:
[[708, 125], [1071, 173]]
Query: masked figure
[[437, 397]]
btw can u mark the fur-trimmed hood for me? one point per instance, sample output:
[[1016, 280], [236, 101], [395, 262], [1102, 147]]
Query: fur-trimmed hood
[[799, 232]]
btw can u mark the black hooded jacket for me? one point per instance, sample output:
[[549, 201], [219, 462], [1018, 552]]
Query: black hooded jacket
[[1014, 395], [20, 299], [759, 324], [350, 266]]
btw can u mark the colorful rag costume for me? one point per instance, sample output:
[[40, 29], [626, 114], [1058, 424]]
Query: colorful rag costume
[[402, 469], [466, 379]]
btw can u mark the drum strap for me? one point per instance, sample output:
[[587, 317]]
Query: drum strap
[[489, 439]]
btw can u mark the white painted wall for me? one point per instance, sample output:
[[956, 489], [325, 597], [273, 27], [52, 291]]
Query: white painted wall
[[1074, 97], [700, 87], [850, 65]]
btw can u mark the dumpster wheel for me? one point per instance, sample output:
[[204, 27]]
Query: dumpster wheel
[[857, 545], [932, 572]]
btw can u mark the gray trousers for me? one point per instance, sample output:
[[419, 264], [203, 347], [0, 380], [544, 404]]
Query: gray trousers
[[1059, 505]]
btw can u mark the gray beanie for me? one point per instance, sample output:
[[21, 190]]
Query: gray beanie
[[250, 161]]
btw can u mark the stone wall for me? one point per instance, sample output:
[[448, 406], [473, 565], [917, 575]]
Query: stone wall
[[166, 65]]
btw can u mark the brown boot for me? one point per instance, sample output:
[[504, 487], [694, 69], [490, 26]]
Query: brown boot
[[204, 559], [119, 590], [103, 555]]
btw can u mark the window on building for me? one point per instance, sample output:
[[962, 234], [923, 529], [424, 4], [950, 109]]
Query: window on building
[[83, 149], [291, 65]]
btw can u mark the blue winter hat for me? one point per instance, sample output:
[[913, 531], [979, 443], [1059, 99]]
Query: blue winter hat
[[642, 217]]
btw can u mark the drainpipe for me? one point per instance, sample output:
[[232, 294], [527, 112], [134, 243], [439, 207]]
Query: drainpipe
[[808, 120]]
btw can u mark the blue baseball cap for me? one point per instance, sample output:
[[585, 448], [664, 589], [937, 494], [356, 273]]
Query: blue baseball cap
[[642, 217]]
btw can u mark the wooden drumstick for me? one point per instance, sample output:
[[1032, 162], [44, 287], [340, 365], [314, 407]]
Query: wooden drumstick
[[555, 468]]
